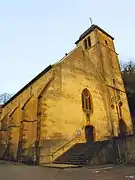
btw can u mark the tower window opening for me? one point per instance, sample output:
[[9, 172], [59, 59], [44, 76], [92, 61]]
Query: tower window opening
[[85, 43], [89, 41], [106, 42]]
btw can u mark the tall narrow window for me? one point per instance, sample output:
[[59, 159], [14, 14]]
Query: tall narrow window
[[86, 101], [85, 43], [89, 41]]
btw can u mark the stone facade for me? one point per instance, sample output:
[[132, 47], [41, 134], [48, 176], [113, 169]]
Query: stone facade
[[47, 116]]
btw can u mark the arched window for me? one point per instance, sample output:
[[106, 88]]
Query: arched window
[[86, 101]]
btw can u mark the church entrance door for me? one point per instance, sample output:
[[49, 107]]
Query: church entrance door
[[89, 133]]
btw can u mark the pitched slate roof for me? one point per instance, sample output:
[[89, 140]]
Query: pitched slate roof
[[30, 83], [89, 30]]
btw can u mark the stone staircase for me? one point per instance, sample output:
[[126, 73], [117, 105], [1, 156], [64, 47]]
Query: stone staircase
[[81, 153]]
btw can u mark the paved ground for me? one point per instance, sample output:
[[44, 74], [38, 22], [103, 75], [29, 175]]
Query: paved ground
[[21, 172]]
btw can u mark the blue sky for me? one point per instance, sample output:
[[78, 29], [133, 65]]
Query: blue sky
[[36, 33]]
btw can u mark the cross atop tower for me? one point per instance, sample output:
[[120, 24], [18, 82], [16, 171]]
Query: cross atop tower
[[90, 20]]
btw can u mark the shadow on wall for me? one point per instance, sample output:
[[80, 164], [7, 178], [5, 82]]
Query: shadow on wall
[[27, 156], [45, 148], [90, 153], [7, 153], [122, 128], [89, 133], [30, 157]]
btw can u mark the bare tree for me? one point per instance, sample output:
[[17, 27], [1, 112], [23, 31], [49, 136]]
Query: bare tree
[[127, 67], [4, 97]]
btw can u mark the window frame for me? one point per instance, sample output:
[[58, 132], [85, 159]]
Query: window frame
[[87, 105]]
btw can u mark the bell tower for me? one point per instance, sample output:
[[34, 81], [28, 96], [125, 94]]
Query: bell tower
[[99, 47]]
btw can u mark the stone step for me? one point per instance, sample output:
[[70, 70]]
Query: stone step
[[61, 166], [80, 153]]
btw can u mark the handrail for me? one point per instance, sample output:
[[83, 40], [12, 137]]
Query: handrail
[[29, 121], [63, 146]]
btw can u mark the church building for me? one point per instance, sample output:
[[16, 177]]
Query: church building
[[79, 99]]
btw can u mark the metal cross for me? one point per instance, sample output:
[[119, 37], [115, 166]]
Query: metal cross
[[90, 20]]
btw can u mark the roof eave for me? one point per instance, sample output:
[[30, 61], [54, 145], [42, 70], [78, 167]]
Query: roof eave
[[28, 85]]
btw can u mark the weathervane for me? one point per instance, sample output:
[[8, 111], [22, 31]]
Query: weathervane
[[90, 20]]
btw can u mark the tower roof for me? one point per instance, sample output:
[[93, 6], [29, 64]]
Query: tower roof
[[89, 30]]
